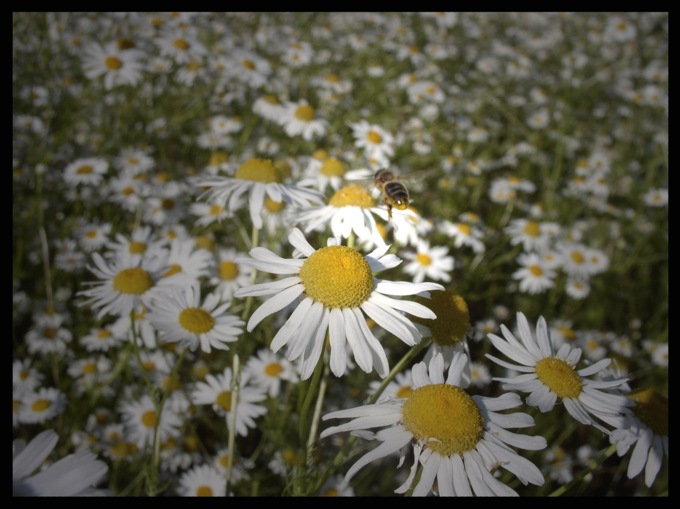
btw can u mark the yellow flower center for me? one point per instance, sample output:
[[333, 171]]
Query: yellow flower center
[[172, 270], [536, 270], [464, 228], [196, 320], [204, 491], [136, 247], [272, 99], [248, 64], [445, 417], [332, 168], [86, 169], [374, 137], [424, 259], [332, 78], [167, 204], [125, 43], [49, 332], [273, 369], [133, 281], [259, 170], [91, 234], [560, 377], [181, 44], [204, 242], [113, 63], [228, 270], [216, 210], [532, 229], [89, 368], [273, 206], [223, 400], [453, 317], [321, 154], [652, 409], [404, 392], [352, 195], [149, 418], [23, 374], [577, 257], [567, 332], [40, 405], [331, 492], [337, 277], [304, 113]]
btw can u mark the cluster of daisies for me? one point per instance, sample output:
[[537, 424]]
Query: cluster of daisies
[[214, 295]]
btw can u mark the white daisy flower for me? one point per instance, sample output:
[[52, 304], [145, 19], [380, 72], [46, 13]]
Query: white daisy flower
[[268, 370], [141, 420], [335, 284], [88, 171], [301, 119], [646, 430], [376, 141], [231, 275], [216, 391], [182, 317], [431, 262], [534, 277], [547, 375], [202, 481], [258, 178], [42, 405], [116, 66], [532, 235], [458, 454], [464, 234]]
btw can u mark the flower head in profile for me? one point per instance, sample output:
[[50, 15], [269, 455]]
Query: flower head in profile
[[547, 375], [646, 431], [458, 440], [335, 287], [258, 178]]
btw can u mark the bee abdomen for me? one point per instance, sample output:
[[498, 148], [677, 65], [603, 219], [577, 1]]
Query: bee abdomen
[[397, 193]]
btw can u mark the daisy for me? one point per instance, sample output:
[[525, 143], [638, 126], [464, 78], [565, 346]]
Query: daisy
[[182, 317], [182, 47], [336, 486], [547, 375], [209, 213], [231, 275], [48, 334], [335, 284], [92, 237], [532, 235], [350, 211], [431, 262], [141, 420], [268, 370], [187, 264], [269, 107], [646, 430], [127, 191], [126, 283], [72, 475], [374, 140], [42, 405], [534, 277], [575, 259], [217, 392], [88, 171], [258, 178], [25, 377], [577, 287], [202, 481], [144, 332], [400, 387], [464, 234], [327, 172], [134, 160], [249, 67], [656, 197], [301, 119], [116, 66], [89, 372], [458, 455], [240, 467]]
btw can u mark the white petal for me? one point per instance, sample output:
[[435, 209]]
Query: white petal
[[274, 304]]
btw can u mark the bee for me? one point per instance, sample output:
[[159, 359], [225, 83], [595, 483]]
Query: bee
[[394, 192]]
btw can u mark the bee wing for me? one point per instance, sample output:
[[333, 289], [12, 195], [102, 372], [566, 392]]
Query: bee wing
[[418, 177]]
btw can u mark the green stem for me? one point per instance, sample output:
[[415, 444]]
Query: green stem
[[317, 410], [235, 385], [309, 397]]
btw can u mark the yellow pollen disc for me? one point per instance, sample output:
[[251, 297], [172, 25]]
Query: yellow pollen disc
[[172, 270], [532, 229], [223, 400], [40, 405], [216, 210], [290, 457], [137, 247], [404, 392], [89, 368], [567, 332], [167, 204], [464, 228], [273, 369], [125, 43], [337, 277], [133, 281], [424, 259], [119, 450], [228, 270], [374, 137], [248, 64], [24, 374], [652, 409], [536, 270], [181, 44], [149, 366], [577, 257], [305, 113], [149, 418], [85, 170], [332, 168], [191, 444], [332, 78], [331, 492], [217, 158], [196, 320], [273, 206], [204, 491], [259, 170], [170, 384], [445, 417], [560, 377], [352, 195], [113, 63], [49, 332], [204, 242], [321, 154], [272, 99], [91, 234], [453, 317]]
